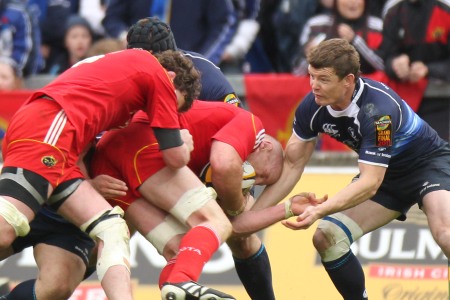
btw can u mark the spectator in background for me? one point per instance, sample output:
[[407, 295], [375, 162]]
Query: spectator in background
[[200, 26], [375, 7], [94, 12], [416, 43], [103, 46], [245, 32], [9, 75], [78, 39], [20, 35], [350, 20], [288, 20], [53, 14]]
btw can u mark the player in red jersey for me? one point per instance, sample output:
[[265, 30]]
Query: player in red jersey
[[224, 136], [48, 135]]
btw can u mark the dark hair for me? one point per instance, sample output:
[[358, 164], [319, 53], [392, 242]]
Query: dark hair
[[151, 34], [337, 54], [187, 79], [76, 20]]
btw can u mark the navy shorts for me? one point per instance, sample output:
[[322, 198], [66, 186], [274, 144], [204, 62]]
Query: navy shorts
[[59, 233], [401, 189]]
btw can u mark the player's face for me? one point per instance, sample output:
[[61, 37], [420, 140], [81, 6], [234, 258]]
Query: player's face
[[327, 88]]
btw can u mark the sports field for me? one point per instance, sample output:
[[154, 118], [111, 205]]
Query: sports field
[[403, 272]]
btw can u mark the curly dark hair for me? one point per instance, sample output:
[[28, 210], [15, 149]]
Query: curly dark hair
[[187, 78]]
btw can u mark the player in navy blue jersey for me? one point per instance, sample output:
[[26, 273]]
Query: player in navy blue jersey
[[155, 36], [402, 161]]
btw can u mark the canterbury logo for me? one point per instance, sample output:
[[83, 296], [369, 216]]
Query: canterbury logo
[[329, 129]]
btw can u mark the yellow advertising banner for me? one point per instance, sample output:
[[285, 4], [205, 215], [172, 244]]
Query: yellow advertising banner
[[401, 260]]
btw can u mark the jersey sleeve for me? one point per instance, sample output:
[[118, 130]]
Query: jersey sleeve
[[162, 107], [378, 130], [248, 137]]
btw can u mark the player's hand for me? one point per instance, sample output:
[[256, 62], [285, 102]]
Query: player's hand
[[300, 202], [304, 220], [109, 187], [187, 139]]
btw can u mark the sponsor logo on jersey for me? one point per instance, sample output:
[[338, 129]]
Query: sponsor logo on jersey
[[232, 99], [330, 129], [383, 131], [49, 161]]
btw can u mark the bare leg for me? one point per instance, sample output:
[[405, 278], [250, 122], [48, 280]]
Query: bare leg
[[54, 262], [83, 205]]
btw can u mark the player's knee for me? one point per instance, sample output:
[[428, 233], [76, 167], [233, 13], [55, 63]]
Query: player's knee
[[244, 247], [442, 237], [334, 236], [190, 208], [7, 236], [112, 229], [13, 224], [320, 241], [172, 247], [165, 237], [198, 206]]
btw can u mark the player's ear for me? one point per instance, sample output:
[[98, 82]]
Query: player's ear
[[171, 74], [266, 145]]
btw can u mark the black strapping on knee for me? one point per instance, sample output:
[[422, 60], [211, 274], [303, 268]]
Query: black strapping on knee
[[25, 186], [103, 217], [62, 192]]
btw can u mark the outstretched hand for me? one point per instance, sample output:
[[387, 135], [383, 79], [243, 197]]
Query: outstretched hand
[[303, 206], [109, 187]]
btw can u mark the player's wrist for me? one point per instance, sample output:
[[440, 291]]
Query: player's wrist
[[234, 213], [288, 213]]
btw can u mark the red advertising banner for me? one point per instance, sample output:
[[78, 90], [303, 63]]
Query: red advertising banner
[[9, 104]]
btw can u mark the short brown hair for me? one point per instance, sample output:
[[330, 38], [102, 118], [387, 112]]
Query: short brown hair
[[187, 79], [337, 54]]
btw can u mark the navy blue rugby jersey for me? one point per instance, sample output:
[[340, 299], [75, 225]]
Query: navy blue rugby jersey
[[215, 86], [378, 125]]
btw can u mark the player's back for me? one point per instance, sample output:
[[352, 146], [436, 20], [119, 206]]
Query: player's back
[[100, 92], [208, 121]]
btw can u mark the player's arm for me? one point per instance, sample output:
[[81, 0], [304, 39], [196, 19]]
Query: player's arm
[[226, 167], [107, 186], [297, 154], [255, 220], [360, 190], [175, 151]]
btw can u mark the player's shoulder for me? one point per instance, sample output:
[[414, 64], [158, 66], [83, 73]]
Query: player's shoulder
[[199, 60], [375, 89]]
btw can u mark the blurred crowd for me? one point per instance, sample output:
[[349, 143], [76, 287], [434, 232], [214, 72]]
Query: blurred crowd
[[406, 39]]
